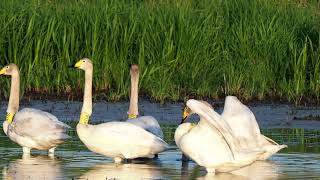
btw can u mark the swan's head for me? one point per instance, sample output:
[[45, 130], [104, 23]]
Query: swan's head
[[134, 70], [187, 112], [9, 70], [84, 64]]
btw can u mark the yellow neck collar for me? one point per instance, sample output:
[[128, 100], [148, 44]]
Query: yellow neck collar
[[132, 116], [193, 125], [9, 117], [84, 118]]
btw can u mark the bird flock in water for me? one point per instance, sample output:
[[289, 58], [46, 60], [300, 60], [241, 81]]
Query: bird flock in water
[[219, 142]]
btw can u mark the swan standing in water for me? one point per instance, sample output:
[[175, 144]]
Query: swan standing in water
[[148, 123], [119, 140], [30, 128], [211, 143], [245, 127]]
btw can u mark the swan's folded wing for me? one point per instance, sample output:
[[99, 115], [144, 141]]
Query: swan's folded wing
[[39, 125], [214, 119], [129, 138], [148, 123]]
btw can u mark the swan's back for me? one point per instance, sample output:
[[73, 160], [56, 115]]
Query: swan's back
[[148, 123], [37, 129]]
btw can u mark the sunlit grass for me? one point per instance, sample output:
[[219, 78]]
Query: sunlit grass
[[205, 48]]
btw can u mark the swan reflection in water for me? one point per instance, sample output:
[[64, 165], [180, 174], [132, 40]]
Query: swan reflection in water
[[124, 171], [33, 167], [259, 170]]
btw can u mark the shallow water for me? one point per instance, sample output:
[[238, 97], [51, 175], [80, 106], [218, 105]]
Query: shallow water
[[74, 161], [268, 115]]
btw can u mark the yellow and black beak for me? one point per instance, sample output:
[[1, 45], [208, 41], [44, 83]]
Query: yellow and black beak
[[3, 71], [77, 65], [185, 115]]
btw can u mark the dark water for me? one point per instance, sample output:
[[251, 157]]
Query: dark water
[[73, 161]]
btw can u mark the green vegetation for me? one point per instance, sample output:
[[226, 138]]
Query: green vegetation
[[258, 49]]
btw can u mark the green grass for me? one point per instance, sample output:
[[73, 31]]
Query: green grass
[[258, 49]]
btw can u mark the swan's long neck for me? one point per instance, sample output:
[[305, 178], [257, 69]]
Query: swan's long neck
[[13, 105], [87, 98], [133, 107]]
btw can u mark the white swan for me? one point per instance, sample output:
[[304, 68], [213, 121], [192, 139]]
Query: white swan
[[245, 127], [30, 128], [211, 143], [119, 140], [148, 123]]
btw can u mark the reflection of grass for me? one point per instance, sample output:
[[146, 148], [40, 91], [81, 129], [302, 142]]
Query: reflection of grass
[[298, 140], [309, 117], [252, 49]]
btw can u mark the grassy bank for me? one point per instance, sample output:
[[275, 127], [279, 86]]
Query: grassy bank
[[211, 48]]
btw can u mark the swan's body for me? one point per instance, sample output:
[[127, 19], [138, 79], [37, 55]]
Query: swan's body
[[36, 129], [31, 128], [119, 140], [245, 127], [211, 143], [148, 123]]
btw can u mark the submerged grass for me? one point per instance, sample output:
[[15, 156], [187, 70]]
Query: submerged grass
[[204, 48], [298, 140]]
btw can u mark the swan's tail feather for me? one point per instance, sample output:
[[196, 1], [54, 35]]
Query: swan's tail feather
[[269, 140], [270, 150]]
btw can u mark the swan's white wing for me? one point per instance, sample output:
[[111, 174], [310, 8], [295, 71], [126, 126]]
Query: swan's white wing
[[123, 138], [214, 119], [203, 144], [39, 126], [245, 127], [242, 121], [148, 123]]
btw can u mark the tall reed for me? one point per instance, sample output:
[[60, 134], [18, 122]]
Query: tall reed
[[199, 48]]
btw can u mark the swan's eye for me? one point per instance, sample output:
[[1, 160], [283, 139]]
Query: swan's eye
[[83, 61], [7, 67]]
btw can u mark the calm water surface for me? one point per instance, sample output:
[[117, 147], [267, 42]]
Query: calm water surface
[[73, 161]]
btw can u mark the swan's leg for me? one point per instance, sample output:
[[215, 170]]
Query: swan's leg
[[26, 156], [51, 151], [117, 159], [184, 158], [26, 150], [211, 170]]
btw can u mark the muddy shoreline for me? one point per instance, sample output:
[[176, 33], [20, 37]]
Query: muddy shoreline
[[269, 115]]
